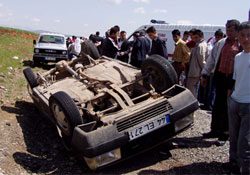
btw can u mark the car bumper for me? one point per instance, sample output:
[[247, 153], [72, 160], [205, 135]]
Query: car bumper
[[91, 144], [49, 58]]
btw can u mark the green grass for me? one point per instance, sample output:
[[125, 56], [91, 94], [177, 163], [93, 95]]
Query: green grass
[[14, 42], [8, 93], [21, 82]]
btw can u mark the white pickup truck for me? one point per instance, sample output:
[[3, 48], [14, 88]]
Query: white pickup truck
[[49, 48]]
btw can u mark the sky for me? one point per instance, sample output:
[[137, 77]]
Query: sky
[[83, 17]]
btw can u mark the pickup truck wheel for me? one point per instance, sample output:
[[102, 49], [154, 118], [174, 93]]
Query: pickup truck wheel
[[66, 114], [161, 73], [30, 77], [89, 48]]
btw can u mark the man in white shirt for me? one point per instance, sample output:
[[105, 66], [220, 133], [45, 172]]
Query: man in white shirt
[[239, 106]]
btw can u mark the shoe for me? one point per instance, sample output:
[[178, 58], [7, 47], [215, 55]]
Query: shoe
[[220, 143], [211, 134], [235, 170], [232, 167], [205, 107], [165, 153], [222, 139]]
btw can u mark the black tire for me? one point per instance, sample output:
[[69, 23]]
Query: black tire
[[162, 73], [70, 110], [30, 77], [89, 48]]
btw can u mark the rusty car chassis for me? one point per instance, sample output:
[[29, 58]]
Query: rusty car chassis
[[104, 108]]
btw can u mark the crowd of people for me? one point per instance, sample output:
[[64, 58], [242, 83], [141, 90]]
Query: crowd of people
[[217, 72], [222, 64]]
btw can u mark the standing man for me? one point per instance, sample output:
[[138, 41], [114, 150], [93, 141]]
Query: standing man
[[110, 46], [181, 53], [124, 47], [209, 94], [185, 36], [197, 62], [221, 62], [239, 105], [218, 35], [158, 45], [98, 38], [141, 47], [191, 43]]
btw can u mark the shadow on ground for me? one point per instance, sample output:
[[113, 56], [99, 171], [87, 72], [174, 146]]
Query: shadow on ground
[[45, 153], [193, 142], [194, 168], [27, 63], [45, 66]]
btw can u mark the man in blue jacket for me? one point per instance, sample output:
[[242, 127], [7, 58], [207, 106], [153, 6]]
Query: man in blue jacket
[[158, 45], [141, 47]]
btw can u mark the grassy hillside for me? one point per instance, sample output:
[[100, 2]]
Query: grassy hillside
[[15, 42]]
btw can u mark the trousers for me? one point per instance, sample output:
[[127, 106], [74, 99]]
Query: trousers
[[220, 113], [192, 85], [239, 133]]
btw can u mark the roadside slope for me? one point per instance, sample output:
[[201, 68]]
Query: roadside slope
[[16, 49]]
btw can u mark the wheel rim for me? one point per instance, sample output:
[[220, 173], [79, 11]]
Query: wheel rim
[[29, 89], [61, 119]]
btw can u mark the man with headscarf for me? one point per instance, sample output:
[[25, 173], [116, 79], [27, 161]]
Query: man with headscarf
[[74, 49]]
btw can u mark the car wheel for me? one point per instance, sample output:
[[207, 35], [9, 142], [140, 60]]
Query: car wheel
[[89, 48], [161, 73], [66, 114], [30, 77]]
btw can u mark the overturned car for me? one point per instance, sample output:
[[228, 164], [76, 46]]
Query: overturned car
[[108, 110]]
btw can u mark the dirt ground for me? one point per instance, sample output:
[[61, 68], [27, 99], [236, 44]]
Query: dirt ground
[[30, 145]]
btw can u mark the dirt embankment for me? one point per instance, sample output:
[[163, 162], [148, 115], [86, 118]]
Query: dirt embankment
[[15, 33]]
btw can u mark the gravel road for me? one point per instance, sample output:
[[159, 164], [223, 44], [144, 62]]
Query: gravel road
[[29, 145]]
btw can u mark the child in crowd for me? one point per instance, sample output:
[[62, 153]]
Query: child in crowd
[[239, 106]]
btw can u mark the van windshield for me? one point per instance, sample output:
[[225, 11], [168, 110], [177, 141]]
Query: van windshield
[[51, 39]]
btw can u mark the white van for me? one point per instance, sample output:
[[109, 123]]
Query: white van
[[165, 32]]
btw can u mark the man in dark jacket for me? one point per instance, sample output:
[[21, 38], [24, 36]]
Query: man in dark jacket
[[98, 38], [140, 49], [124, 47], [158, 45], [110, 46]]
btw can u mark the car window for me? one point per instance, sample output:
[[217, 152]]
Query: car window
[[51, 39]]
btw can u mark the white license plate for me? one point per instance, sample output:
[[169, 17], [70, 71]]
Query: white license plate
[[148, 127], [50, 58]]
